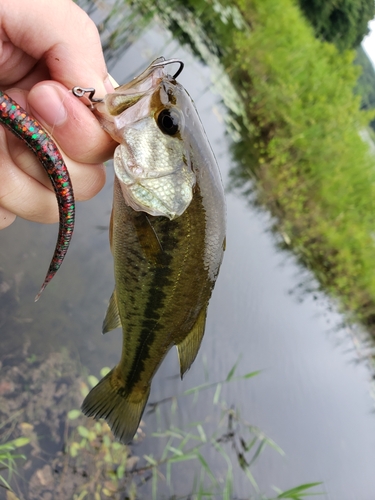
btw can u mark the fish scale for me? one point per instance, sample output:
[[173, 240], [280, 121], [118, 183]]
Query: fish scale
[[29, 130]]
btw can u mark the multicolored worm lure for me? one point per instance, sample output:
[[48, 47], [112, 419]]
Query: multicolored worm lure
[[41, 144]]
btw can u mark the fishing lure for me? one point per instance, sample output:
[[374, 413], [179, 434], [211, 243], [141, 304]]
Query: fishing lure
[[26, 128]]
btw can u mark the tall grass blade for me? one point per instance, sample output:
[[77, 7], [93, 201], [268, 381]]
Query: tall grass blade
[[299, 491], [251, 374], [251, 478], [227, 493], [207, 469], [217, 394], [257, 452], [154, 483], [231, 372]]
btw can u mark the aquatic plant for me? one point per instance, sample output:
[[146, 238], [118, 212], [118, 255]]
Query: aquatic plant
[[8, 458]]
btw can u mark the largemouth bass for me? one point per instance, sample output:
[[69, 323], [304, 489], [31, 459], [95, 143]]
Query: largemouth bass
[[29, 130], [167, 236]]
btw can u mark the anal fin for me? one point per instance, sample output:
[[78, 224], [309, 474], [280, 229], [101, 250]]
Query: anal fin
[[189, 347], [112, 318]]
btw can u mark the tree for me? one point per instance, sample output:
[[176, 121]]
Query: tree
[[343, 22]]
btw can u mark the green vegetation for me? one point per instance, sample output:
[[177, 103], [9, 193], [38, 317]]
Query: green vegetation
[[8, 457], [365, 87], [310, 164], [345, 25], [343, 22], [366, 82]]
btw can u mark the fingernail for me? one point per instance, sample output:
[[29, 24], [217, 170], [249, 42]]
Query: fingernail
[[47, 104], [108, 85]]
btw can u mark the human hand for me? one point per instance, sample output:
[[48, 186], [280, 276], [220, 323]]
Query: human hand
[[46, 48]]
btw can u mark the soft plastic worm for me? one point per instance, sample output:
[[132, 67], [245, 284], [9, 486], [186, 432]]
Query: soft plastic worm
[[41, 144]]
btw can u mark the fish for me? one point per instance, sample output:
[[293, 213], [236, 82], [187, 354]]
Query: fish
[[37, 139], [167, 236]]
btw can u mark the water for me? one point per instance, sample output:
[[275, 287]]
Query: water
[[311, 397]]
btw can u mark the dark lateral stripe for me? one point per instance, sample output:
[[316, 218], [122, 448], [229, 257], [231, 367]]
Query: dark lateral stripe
[[149, 329]]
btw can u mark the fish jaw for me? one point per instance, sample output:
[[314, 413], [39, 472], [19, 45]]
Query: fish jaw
[[110, 111]]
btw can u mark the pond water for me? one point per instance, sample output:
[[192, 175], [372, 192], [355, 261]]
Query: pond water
[[312, 397]]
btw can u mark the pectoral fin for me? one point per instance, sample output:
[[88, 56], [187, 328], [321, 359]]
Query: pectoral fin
[[189, 347], [112, 318], [148, 238]]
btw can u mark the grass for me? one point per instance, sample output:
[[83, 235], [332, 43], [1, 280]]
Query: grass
[[312, 169]]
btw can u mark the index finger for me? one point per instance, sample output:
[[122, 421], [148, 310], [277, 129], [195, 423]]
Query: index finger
[[60, 33]]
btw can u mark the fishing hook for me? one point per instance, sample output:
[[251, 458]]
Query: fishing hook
[[81, 91], [170, 61]]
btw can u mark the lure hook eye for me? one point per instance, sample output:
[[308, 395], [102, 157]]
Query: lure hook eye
[[170, 61], [80, 92]]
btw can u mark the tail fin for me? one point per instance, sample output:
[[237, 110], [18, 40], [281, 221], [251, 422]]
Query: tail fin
[[122, 414]]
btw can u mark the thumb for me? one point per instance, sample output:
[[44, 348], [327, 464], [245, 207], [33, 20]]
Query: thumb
[[72, 124]]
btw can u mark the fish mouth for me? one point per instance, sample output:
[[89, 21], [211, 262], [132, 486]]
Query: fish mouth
[[129, 94]]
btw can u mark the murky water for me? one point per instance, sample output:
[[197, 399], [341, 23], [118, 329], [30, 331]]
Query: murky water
[[311, 397]]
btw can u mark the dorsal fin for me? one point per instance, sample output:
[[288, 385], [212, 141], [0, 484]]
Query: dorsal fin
[[112, 318], [189, 347]]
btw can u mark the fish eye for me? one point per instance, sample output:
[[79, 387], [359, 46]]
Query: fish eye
[[168, 121]]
